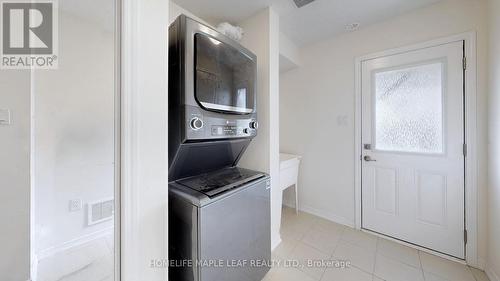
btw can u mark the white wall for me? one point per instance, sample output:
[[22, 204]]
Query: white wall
[[176, 10], [289, 54], [15, 177], [317, 96], [73, 132], [262, 38], [493, 267]]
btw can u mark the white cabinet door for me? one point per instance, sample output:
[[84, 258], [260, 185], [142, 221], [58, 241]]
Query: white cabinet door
[[413, 147]]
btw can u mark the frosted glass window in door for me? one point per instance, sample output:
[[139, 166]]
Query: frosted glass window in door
[[409, 109]]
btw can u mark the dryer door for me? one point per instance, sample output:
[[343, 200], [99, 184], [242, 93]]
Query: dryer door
[[224, 76]]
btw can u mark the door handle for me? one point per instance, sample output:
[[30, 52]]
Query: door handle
[[367, 158]]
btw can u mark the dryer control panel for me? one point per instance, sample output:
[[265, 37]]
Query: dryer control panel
[[206, 125]]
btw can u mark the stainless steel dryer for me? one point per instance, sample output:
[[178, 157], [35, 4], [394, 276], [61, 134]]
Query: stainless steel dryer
[[212, 99]]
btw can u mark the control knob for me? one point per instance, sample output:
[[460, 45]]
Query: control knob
[[254, 125], [196, 123]]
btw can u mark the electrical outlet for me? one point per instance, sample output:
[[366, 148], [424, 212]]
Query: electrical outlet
[[75, 205]]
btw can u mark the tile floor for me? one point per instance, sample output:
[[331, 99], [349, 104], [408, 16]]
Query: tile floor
[[306, 237]]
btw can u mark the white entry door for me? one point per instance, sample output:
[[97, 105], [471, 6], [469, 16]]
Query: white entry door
[[413, 147]]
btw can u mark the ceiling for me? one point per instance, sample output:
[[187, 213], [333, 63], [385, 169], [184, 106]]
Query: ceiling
[[311, 23]]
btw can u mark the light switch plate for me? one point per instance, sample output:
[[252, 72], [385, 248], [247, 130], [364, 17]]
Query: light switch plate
[[4, 116]]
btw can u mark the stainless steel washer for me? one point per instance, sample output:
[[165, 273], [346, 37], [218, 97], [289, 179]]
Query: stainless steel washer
[[219, 226]]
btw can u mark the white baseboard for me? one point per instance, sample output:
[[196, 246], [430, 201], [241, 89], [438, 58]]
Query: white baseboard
[[322, 214], [34, 268], [73, 243], [481, 264], [491, 274], [275, 243]]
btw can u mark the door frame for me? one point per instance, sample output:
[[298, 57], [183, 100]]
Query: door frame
[[470, 80], [144, 159]]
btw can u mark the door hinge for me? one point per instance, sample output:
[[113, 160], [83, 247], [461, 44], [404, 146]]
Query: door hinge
[[465, 150], [464, 63], [465, 236]]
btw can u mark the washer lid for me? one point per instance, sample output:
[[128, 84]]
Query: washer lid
[[216, 182]]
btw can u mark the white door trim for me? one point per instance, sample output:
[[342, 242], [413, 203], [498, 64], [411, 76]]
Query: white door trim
[[118, 138], [144, 169], [471, 164]]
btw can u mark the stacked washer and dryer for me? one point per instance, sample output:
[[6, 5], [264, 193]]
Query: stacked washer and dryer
[[219, 214]]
